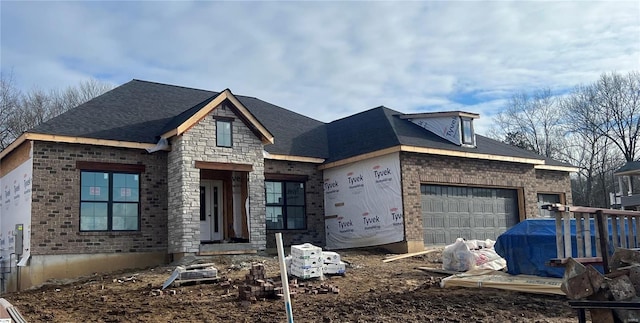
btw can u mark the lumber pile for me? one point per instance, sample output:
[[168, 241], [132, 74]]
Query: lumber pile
[[615, 295]]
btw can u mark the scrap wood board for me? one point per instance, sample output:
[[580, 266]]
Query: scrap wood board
[[181, 282], [407, 255], [501, 280]]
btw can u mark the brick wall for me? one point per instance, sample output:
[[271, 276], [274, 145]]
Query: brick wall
[[314, 204], [56, 201], [199, 144], [420, 168], [555, 182]]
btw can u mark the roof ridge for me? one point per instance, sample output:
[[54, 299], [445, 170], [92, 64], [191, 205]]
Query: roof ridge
[[177, 86]]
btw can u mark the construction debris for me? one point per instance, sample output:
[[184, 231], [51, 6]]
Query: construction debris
[[407, 255], [610, 296], [256, 285], [192, 274]]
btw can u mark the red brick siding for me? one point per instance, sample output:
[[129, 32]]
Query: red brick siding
[[549, 181], [56, 201], [420, 168]]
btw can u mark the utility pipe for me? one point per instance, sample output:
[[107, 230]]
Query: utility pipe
[[283, 277]]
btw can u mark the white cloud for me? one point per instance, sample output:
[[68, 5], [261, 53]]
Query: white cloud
[[327, 60]]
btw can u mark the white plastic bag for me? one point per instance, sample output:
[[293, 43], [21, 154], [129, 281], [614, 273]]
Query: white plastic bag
[[488, 258], [457, 256]]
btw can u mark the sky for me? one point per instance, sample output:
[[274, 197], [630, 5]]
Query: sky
[[330, 59]]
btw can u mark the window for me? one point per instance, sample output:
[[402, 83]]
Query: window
[[467, 131], [544, 199], [285, 205], [109, 201], [223, 133]]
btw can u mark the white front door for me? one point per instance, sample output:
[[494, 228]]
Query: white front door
[[211, 210]]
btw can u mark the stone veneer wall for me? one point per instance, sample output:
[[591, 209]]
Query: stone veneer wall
[[199, 144], [419, 168], [314, 198], [55, 211]]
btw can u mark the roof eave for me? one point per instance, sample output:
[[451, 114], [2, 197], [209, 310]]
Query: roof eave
[[292, 158], [74, 140], [570, 169]]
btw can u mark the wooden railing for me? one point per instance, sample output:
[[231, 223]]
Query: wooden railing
[[590, 241]]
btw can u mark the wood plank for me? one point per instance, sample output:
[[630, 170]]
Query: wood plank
[[566, 219], [637, 235], [559, 244], [585, 209], [604, 241], [597, 246], [396, 257], [579, 235], [224, 166], [560, 262], [614, 231], [588, 234], [623, 232], [438, 270]]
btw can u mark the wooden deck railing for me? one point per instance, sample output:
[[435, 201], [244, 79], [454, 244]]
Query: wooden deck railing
[[594, 240]]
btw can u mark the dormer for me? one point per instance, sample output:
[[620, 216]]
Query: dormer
[[454, 126]]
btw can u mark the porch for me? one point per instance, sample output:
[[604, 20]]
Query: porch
[[629, 190]]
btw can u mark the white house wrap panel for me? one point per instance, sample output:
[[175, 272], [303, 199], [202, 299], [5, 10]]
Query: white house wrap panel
[[363, 203]]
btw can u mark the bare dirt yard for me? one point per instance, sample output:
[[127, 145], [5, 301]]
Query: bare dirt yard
[[370, 291]]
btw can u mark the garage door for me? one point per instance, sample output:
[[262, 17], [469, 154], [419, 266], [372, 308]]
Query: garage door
[[450, 212]]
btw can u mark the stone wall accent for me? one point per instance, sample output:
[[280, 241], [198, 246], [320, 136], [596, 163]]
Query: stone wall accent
[[421, 169], [199, 144], [56, 201], [314, 193]]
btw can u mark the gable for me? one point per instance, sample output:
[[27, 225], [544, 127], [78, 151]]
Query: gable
[[224, 100]]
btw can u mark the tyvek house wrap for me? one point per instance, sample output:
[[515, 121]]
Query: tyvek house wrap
[[363, 203]]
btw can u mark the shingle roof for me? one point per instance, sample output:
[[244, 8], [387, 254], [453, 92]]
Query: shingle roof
[[629, 167], [381, 128], [140, 111], [137, 111]]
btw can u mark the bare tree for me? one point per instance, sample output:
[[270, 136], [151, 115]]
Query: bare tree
[[616, 111], [603, 124], [533, 122], [9, 99], [23, 111]]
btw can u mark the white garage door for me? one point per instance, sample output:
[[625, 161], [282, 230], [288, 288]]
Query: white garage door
[[450, 212]]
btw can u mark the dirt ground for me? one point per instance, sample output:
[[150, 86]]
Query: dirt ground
[[370, 291]]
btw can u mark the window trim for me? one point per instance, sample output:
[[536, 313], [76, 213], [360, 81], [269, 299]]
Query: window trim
[[219, 120], [284, 204], [126, 169]]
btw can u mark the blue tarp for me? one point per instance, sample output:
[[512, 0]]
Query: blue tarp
[[528, 245]]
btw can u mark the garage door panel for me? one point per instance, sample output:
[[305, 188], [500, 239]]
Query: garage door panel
[[450, 212], [437, 221], [435, 237]]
